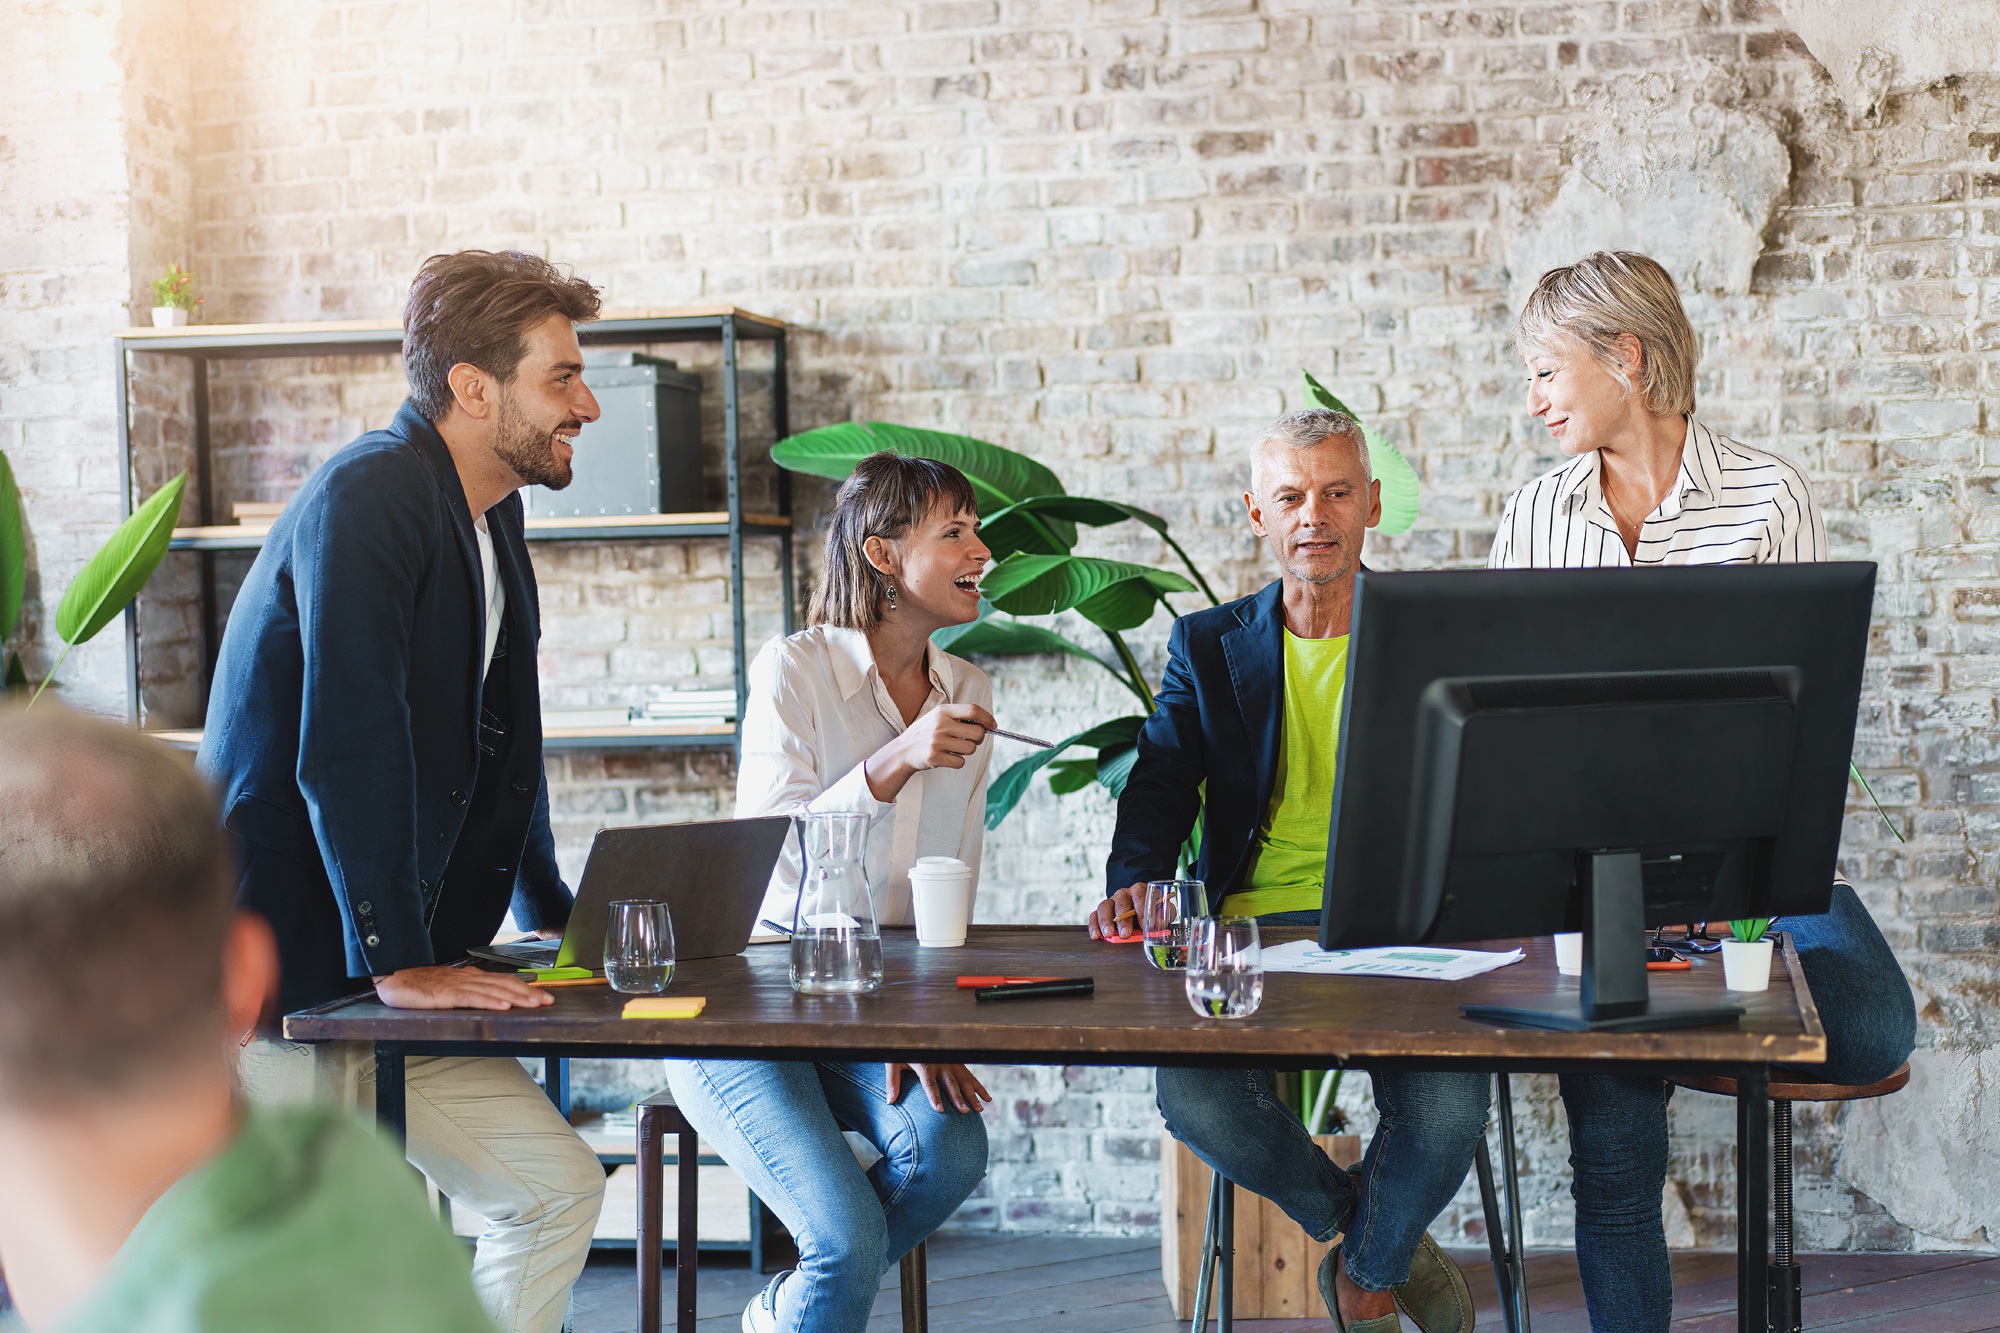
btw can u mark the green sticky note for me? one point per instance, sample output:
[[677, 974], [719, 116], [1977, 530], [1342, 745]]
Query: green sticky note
[[555, 973]]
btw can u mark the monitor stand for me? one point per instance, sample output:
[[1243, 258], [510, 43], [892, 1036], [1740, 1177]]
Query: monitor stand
[[1612, 996]]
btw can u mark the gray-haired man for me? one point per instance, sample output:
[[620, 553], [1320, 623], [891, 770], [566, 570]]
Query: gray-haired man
[[1250, 705]]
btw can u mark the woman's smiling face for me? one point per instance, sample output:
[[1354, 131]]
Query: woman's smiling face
[[936, 567], [1582, 403]]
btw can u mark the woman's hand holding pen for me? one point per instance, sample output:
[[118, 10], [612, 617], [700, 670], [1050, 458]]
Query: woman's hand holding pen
[[942, 738]]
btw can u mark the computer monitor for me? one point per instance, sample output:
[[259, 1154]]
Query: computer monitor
[[1531, 751]]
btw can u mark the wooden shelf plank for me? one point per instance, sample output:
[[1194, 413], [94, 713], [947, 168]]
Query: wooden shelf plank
[[630, 736], [586, 527], [392, 326]]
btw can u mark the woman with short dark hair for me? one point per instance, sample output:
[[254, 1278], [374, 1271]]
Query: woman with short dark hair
[[862, 713]]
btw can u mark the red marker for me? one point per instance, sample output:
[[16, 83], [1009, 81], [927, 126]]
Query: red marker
[[972, 983]]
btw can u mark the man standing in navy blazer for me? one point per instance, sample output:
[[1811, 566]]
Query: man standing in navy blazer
[[374, 733], [1250, 706]]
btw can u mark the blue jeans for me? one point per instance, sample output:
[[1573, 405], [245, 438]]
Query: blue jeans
[[779, 1123], [1428, 1128], [1618, 1122]]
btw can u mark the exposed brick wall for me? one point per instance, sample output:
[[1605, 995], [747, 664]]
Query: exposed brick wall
[[1109, 234]]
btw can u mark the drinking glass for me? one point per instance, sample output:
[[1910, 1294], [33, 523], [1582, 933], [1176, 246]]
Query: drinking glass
[[639, 948], [1225, 966], [1164, 912]]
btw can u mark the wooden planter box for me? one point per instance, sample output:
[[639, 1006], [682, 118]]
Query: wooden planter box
[[1277, 1264]]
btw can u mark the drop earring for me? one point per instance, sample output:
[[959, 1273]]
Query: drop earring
[[892, 596]]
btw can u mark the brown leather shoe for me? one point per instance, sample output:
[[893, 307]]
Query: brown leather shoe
[[1330, 1265], [1435, 1298]]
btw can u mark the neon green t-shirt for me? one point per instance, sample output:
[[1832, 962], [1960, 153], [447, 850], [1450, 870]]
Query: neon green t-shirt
[[1288, 859]]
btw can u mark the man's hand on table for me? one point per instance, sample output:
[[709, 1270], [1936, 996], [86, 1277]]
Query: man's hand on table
[[961, 1084], [457, 988], [1106, 923]]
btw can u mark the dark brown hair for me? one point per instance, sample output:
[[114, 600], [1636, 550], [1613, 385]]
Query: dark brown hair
[[116, 893], [885, 496], [475, 307]]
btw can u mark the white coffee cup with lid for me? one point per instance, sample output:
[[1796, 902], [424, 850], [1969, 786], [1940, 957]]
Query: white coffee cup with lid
[[941, 889]]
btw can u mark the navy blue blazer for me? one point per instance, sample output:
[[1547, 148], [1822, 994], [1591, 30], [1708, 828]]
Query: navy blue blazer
[[382, 822], [1216, 719]]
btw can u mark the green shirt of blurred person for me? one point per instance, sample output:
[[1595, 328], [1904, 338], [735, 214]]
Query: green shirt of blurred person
[[305, 1222], [136, 1192]]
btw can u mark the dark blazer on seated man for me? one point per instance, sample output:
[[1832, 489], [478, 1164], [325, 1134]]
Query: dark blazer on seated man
[[1215, 719], [383, 819]]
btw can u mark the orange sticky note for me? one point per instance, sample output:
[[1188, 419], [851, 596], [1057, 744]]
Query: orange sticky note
[[665, 1006]]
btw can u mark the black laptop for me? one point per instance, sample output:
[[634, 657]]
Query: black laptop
[[711, 875]]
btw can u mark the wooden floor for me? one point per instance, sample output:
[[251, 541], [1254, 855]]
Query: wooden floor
[[1068, 1284]]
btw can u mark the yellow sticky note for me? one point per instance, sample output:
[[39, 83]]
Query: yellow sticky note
[[665, 1006]]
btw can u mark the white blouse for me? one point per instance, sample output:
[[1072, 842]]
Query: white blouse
[[817, 708], [1730, 505]]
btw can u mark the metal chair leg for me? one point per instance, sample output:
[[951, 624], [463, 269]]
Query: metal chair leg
[[1517, 1255], [916, 1291], [1225, 1250], [1496, 1234], [1203, 1292], [1782, 1299]]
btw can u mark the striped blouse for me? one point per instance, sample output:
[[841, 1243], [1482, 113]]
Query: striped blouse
[[1731, 505]]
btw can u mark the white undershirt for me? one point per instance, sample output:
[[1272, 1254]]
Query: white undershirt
[[496, 596]]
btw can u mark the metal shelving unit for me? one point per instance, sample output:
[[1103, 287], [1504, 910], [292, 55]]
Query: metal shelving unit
[[201, 344]]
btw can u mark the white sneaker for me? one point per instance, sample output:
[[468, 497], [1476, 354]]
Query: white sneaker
[[761, 1314]]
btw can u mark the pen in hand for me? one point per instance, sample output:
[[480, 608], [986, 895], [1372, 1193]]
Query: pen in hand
[[1017, 736]]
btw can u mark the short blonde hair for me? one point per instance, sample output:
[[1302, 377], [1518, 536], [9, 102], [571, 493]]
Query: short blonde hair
[[1604, 296]]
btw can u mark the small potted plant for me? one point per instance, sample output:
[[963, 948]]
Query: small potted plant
[[173, 297], [1746, 957]]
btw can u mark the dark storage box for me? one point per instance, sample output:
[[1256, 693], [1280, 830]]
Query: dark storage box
[[643, 455]]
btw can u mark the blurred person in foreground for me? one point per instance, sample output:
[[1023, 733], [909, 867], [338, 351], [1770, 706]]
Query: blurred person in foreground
[[137, 1190], [374, 735]]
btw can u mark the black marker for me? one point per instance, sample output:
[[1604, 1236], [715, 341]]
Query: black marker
[[1029, 990]]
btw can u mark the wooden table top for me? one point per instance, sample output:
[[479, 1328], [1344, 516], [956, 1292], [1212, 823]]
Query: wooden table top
[[1137, 1016]]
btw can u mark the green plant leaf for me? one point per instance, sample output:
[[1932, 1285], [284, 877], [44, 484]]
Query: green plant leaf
[[1000, 477], [1006, 790], [1069, 775], [1400, 488], [1874, 801], [15, 682], [1750, 929], [109, 580], [1114, 766], [1042, 585], [1320, 396], [1010, 638], [13, 551]]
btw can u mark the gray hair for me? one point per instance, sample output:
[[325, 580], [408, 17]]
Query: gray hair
[[1304, 430]]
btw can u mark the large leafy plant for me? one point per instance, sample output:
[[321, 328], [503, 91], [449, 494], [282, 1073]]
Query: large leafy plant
[[13, 575], [1032, 525]]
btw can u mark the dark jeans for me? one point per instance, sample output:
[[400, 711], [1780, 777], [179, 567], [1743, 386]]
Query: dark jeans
[[1618, 1122], [1429, 1127]]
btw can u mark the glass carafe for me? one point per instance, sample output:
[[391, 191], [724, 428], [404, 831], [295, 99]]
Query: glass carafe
[[836, 945]]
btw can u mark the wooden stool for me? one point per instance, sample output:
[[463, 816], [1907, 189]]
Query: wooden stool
[[658, 1117], [1782, 1281]]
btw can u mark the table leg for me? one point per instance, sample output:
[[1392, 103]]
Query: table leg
[[916, 1291], [1517, 1254], [647, 1242], [1753, 1194], [389, 1106]]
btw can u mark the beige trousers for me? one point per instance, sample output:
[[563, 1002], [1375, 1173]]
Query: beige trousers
[[490, 1139]]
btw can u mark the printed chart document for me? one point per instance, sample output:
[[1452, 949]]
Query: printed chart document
[[1404, 960]]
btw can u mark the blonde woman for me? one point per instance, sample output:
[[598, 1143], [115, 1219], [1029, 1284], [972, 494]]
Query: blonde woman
[[1611, 362], [861, 712]]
